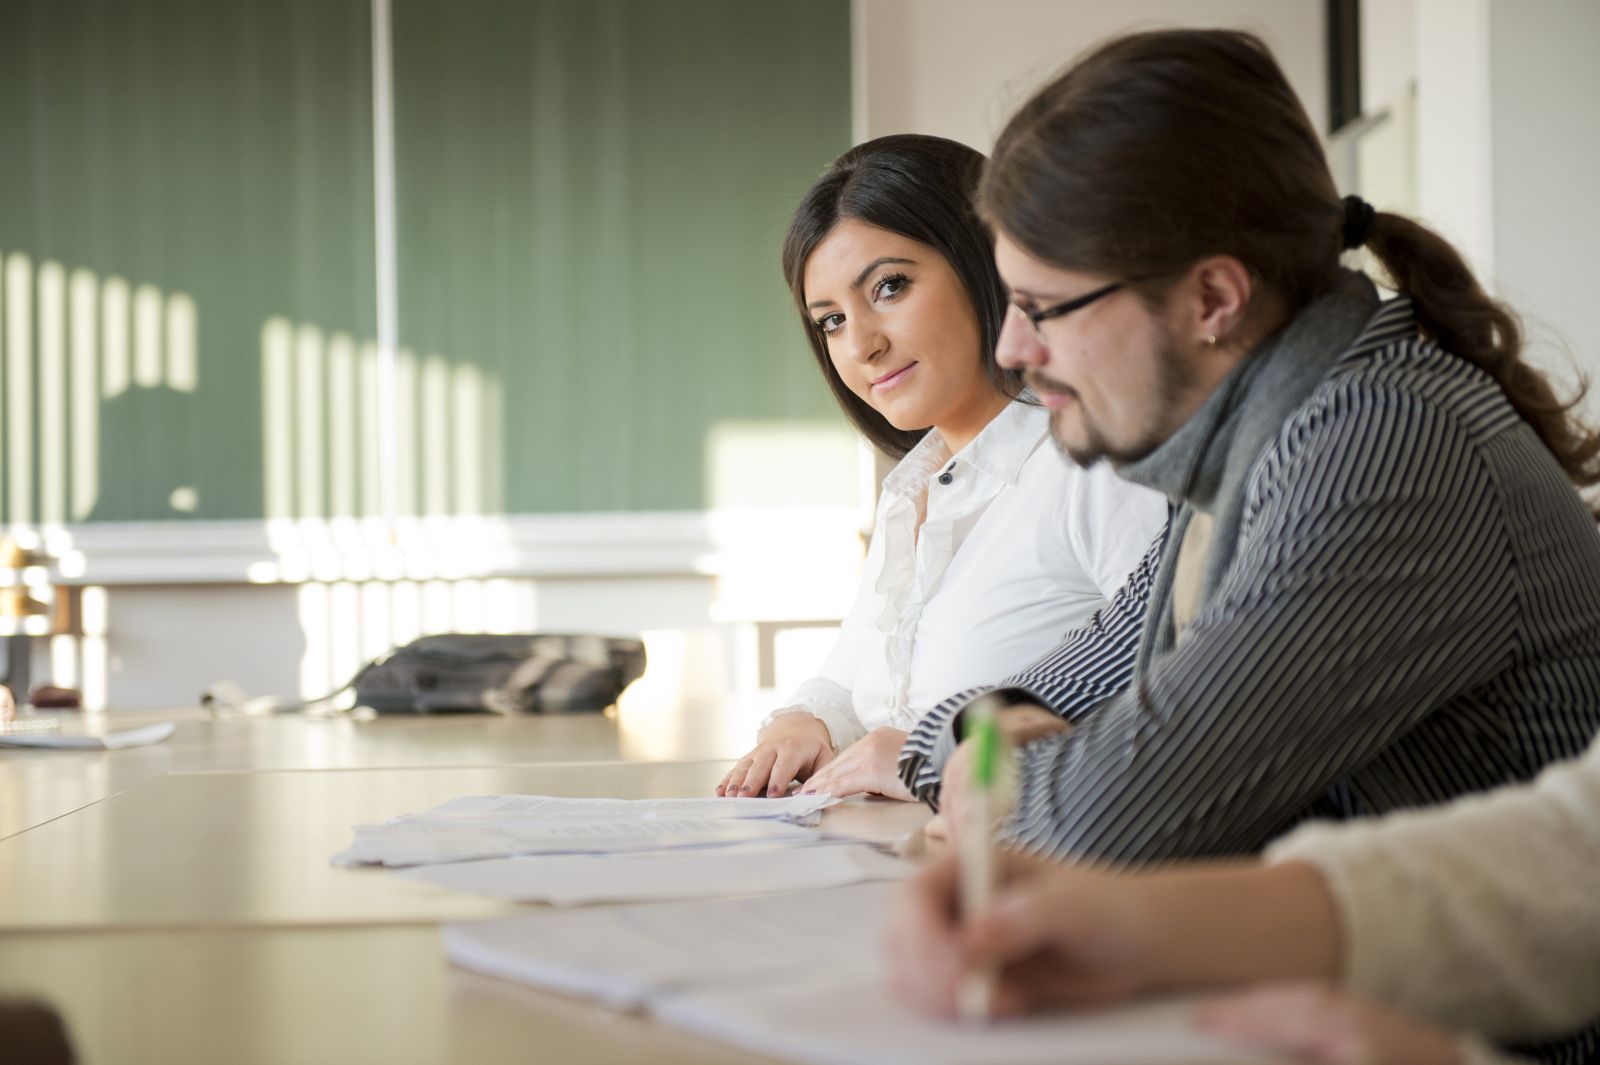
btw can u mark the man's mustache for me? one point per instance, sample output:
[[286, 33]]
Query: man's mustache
[[1038, 382]]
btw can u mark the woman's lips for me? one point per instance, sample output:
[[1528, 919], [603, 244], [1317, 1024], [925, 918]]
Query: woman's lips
[[893, 380]]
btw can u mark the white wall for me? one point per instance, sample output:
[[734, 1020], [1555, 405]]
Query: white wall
[[1455, 195], [1388, 52], [1508, 155], [958, 68], [1544, 122]]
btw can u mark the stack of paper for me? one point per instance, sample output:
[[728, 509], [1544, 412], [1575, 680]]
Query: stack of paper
[[33, 732], [581, 879], [536, 848], [426, 843], [798, 976], [800, 809], [503, 826], [629, 956]]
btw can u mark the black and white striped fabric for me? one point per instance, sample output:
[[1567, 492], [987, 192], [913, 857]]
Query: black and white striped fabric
[[1412, 613]]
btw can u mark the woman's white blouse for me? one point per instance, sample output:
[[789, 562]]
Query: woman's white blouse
[[1018, 547]]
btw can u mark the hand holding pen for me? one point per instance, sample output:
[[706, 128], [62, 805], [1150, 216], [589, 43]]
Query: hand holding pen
[[1051, 937], [987, 800]]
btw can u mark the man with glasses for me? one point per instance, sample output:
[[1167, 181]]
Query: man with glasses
[[1353, 611], [1381, 586]]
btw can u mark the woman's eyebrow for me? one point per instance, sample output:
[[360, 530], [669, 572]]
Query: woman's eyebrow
[[866, 271], [886, 260]]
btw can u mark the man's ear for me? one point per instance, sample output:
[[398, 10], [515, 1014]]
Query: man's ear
[[1223, 289]]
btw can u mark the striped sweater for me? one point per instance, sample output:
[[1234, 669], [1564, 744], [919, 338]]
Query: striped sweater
[[1411, 612]]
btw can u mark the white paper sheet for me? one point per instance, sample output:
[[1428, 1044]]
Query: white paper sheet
[[752, 869], [836, 1019], [626, 955], [94, 739], [798, 976], [545, 808], [429, 843]]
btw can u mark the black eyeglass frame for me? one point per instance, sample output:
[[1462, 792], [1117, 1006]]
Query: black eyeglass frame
[[1056, 310]]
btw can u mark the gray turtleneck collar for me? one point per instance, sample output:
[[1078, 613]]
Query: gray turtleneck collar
[[1205, 464]]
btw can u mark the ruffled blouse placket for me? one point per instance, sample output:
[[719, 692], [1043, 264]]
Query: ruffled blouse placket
[[915, 560]]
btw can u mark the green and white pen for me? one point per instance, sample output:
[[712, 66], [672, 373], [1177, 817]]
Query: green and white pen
[[986, 802]]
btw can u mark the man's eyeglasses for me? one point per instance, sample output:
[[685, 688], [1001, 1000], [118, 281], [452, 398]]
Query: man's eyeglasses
[[1056, 310]]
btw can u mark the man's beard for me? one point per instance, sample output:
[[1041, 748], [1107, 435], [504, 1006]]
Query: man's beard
[[1172, 380]]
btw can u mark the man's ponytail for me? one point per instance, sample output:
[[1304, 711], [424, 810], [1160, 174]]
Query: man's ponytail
[[1462, 319]]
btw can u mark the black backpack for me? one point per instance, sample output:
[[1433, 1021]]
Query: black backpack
[[523, 674]]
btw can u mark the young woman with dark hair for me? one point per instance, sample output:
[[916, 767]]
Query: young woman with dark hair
[[987, 544]]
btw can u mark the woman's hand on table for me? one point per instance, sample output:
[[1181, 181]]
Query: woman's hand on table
[[792, 747], [868, 766]]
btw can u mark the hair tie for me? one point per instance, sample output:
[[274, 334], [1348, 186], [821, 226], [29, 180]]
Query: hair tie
[[1358, 218]]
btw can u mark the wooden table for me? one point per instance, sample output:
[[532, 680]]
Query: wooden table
[[38, 785], [175, 902], [285, 995]]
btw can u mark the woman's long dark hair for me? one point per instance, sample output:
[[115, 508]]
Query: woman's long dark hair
[[1157, 149], [922, 188]]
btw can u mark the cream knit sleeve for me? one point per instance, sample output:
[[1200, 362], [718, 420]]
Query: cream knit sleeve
[[1483, 914]]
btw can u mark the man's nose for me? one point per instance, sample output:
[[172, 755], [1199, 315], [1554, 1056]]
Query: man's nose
[[1019, 346]]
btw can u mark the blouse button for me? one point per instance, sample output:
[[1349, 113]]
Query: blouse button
[[947, 477]]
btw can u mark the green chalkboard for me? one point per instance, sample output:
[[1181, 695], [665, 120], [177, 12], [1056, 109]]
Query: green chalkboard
[[590, 194]]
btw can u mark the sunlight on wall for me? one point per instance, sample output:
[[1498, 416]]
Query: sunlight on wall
[[114, 326], [19, 388], [183, 344], [310, 443], [782, 464], [685, 667], [343, 433], [147, 362], [819, 479], [71, 342], [52, 408], [323, 451], [346, 623], [64, 660], [96, 659], [85, 421], [277, 423]]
